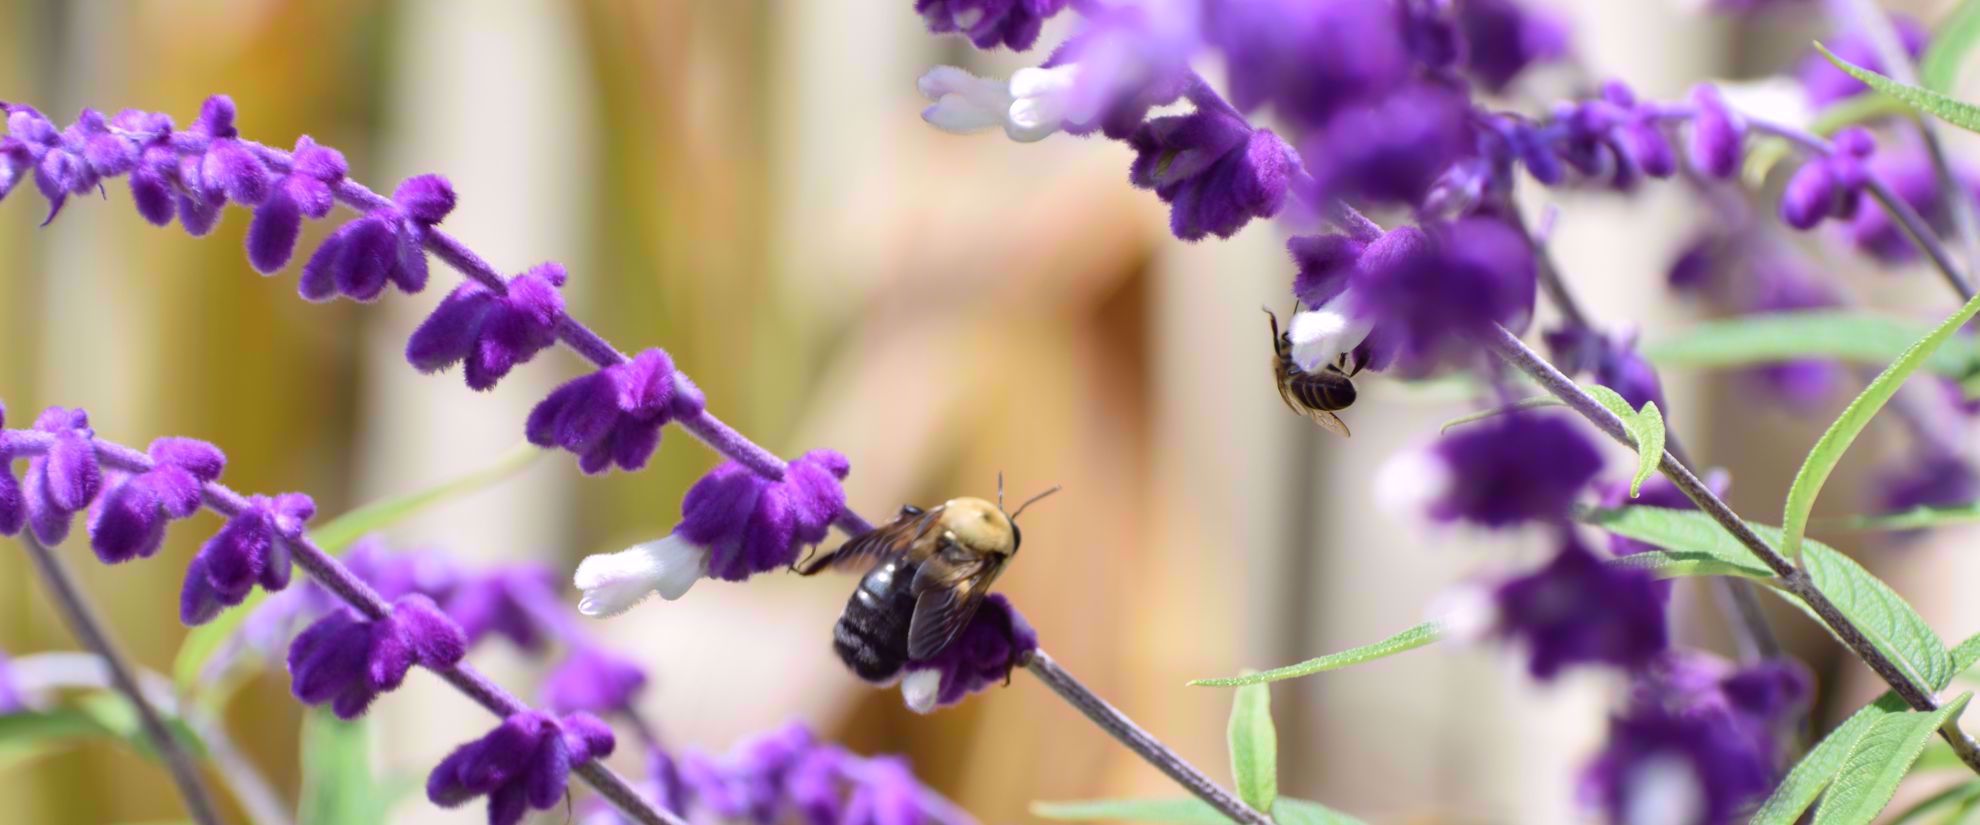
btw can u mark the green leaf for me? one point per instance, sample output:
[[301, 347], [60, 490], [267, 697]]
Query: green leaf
[[1917, 518], [1254, 747], [1182, 812], [1951, 40], [117, 716], [337, 786], [1886, 619], [1646, 429], [1878, 761], [1845, 335], [1817, 769], [29, 735], [1964, 115], [1410, 639], [1829, 449], [203, 642], [1533, 403]]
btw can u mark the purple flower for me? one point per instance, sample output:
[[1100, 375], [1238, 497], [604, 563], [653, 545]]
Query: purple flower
[[788, 775], [129, 522], [594, 680], [996, 640], [1122, 62], [347, 660], [1215, 171], [1502, 38], [524, 763], [1827, 84], [1717, 135], [1829, 186], [749, 784], [1578, 610], [10, 697], [614, 415], [1510, 470], [987, 23], [1391, 150], [385, 246], [734, 524], [1310, 58], [63, 480], [217, 165], [1929, 479], [1908, 172], [16, 162], [252, 548], [491, 332], [13, 504], [501, 602], [305, 192]]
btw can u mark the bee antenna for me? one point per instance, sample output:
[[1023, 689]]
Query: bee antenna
[[1028, 502], [1000, 489]]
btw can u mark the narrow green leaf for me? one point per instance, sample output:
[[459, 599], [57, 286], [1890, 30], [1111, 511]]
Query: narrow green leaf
[[337, 785], [1917, 518], [1646, 430], [1410, 639], [29, 735], [1817, 769], [1829, 449], [1964, 115], [1885, 618], [115, 715], [1533, 403], [1254, 747], [203, 642], [1869, 776], [1855, 336], [1182, 812], [1952, 39], [1690, 543], [1963, 656]]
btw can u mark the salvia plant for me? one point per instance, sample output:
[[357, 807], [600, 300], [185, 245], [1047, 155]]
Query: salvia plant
[[1379, 136]]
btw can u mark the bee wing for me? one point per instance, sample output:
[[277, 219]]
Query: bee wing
[[948, 590], [892, 538], [1331, 422]]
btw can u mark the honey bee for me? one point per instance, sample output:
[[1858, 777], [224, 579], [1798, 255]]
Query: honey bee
[[1316, 395], [931, 570]]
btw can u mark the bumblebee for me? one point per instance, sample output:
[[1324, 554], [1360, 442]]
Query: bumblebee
[[1316, 395], [930, 571]]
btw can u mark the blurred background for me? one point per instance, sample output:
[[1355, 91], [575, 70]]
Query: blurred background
[[748, 185]]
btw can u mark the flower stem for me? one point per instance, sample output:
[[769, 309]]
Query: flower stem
[[1147, 747], [1791, 578], [83, 623]]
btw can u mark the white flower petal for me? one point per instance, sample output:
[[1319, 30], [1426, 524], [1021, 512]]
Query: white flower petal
[[614, 582], [1664, 790], [920, 688], [964, 103], [1320, 336], [1407, 483]]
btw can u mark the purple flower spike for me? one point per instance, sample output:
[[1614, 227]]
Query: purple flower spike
[[498, 603], [996, 640], [13, 504], [491, 333], [1424, 292], [16, 162], [594, 680], [1829, 186], [64, 480], [1510, 470], [383, 247], [1215, 171], [347, 661], [1502, 38], [1326, 266], [1717, 134], [1311, 58], [1390, 151], [614, 415], [251, 549], [989, 23], [306, 192], [523, 764], [227, 169], [129, 523], [1578, 610]]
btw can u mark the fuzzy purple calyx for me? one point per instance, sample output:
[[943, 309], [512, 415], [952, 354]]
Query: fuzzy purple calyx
[[524, 763], [252, 548], [59, 482], [1579, 610], [613, 416], [129, 523], [751, 524], [346, 660], [996, 640], [990, 23], [1215, 171], [491, 333]]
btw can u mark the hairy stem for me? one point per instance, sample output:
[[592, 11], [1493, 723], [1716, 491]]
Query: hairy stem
[[83, 623], [1147, 747], [1792, 579]]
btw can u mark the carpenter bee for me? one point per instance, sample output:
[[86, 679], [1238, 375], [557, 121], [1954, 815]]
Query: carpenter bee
[[930, 571], [1316, 395]]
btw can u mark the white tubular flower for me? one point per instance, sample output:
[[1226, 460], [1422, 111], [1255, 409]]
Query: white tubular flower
[[1042, 101], [921, 688], [963, 102], [1320, 336], [614, 582]]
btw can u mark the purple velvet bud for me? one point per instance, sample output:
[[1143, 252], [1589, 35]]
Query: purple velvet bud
[[1578, 610], [491, 333], [129, 522], [383, 247], [1507, 471], [593, 680], [196, 214], [1826, 84], [1717, 134], [989, 23], [753, 525], [251, 549], [271, 238], [614, 415], [63, 480], [347, 661], [1390, 151], [498, 603], [1326, 266], [108, 154], [996, 640], [1215, 172], [1503, 38], [1810, 196], [425, 198], [523, 764]]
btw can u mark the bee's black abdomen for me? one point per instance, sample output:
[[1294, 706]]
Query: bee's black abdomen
[[872, 635]]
